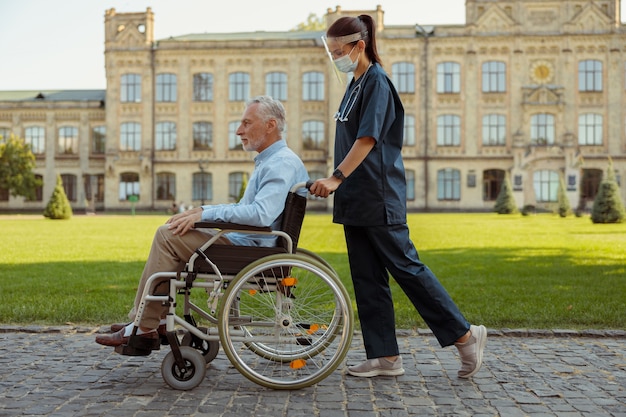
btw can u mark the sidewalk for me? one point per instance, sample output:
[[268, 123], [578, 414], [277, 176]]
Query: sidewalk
[[63, 372]]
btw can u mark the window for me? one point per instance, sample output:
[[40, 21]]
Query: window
[[448, 130], [234, 143], [69, 186], [494, 130], [238, 86], [166, 88], [494, 77], [4, 194], [448, 77], [403, 76], [546, 185], [590, 129], [202, 186], [410, 184], [94, 187], [203, 87], [68, 140], [165, 137], [409, 130], [312, 86], [4, 134], [98, 140], [590, 75], [166, 186], [448, 184], [276, 85], [130, 136], [313, 135], [542, 129], [35, 137], [129, 185], [492, 183], [235, 181], [202, 136], [38, 189], [131, 88]]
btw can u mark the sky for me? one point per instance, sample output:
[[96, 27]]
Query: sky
[[59, 44]]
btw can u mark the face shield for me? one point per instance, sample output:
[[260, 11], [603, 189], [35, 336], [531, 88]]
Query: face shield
[[334, 47]]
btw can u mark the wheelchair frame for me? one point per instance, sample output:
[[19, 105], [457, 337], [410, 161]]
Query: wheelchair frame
[[281, 314]]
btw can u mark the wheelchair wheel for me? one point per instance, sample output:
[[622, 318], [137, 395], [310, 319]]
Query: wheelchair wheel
[[188, 378], [285, 321], [208, 348]]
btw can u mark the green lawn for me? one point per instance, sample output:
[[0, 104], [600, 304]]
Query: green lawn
[[513, 271]]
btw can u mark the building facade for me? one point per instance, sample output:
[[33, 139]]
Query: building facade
[[530, 89]]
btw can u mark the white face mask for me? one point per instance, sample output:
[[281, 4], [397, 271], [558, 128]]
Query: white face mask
[[345, 64]]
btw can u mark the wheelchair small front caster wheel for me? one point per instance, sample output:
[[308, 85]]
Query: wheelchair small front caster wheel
[[187, 377], [208, 348]]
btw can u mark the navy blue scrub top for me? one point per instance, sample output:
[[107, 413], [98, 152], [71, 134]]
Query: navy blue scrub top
[[375, 193]]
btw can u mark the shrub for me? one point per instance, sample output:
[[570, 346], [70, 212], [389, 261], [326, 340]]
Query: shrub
[[608, 206], [564, 207], [58, 207], [505, 203]]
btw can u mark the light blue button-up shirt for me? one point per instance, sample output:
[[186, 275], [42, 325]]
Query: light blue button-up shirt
[[276, 170]]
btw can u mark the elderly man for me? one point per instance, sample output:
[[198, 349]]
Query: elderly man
[[276, 169]]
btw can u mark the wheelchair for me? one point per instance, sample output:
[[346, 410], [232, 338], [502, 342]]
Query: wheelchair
[[281, 314]]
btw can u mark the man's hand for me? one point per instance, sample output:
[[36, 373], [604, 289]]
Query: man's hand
[[181, 223]]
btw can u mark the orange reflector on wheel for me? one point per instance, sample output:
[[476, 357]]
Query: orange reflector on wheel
[[252, 292], [289, 281], [313, 328], [297, 364]]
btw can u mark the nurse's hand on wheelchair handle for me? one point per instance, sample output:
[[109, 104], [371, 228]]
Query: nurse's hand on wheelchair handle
[[323, 187]]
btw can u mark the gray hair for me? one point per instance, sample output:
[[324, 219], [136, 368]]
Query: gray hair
[[270, 109]]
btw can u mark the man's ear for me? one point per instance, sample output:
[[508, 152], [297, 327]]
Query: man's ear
[[272, 125]]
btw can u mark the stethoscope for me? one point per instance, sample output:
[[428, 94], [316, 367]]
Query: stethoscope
[[346, 107]]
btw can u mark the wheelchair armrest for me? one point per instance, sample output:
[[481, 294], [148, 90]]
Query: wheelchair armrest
[[230, 226]]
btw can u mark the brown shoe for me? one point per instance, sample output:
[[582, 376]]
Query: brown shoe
[[119, 326], [118, 338]]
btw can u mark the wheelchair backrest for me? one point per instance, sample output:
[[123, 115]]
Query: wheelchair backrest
[[293, 216]]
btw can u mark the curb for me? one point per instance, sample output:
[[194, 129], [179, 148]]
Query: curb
[[554, 333]]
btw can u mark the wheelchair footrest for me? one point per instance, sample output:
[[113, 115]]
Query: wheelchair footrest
[[139, 346], [132, 351]]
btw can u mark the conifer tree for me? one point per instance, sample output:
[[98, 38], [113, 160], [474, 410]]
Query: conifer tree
[[564, 206], [505, 203], [58, 207], [608, 206]]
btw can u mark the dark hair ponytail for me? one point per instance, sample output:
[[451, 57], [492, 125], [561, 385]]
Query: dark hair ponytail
[[363, 24]]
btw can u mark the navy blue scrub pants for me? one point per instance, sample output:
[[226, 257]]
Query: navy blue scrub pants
[[375, 252]]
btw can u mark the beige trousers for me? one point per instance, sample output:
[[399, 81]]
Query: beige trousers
[[169, 253]]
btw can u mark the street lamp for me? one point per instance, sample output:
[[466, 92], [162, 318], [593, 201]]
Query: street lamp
[[202, 164]]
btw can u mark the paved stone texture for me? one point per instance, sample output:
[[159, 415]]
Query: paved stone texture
[[65, 373]]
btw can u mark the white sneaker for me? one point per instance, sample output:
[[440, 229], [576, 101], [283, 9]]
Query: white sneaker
[[471, 352], [376, 367]]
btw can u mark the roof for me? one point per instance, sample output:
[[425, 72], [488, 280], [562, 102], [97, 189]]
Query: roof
[[259, 35], [53, 95]]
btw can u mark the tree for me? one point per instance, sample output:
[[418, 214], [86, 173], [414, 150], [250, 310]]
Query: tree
[[608, 206], [313, 23], [17, 163], [505, 203], [58, 207], [242, 189], [564, 206]]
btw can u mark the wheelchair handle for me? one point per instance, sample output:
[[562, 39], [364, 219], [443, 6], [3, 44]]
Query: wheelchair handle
[[299, 185]]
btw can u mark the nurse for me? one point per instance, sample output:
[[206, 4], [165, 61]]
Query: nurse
[[370, 201]]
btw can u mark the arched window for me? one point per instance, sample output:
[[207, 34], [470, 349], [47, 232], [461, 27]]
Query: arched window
[[403, 77], [449, 184], [276, 85]]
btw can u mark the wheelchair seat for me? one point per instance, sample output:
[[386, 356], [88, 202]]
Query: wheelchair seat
[[230, 259]]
